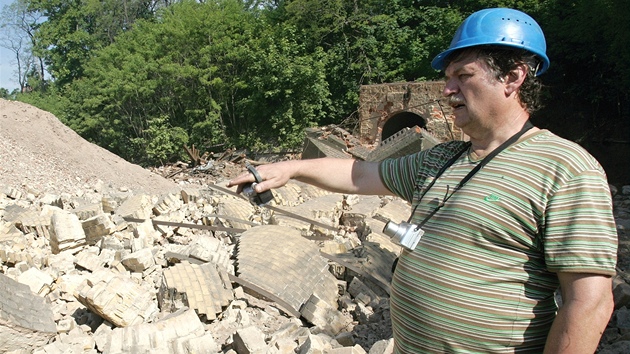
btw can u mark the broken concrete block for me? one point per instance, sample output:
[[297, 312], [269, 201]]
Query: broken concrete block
[[326, 317], [109, 204], [203, 344], [190, 195], [61, 263], [236, 208], [90, 259], [280, 261], [210, 249], [139, 261], [26, 320], [396, 210], [202, 287], [161, 336], [362, 292], [249, 340], [167, 203], [326, 210], [144, 235], [9, 234], [356, 349], [85, 212], [117, 299], [30, 221], [51, 199], [314, 344], [67, 232], [137, 206], [39, 282], [97, 227], [384, 346], [346, 339]]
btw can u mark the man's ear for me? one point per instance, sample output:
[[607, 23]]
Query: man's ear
[[515, 78]]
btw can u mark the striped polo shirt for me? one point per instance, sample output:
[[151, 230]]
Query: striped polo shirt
[[482, 278]]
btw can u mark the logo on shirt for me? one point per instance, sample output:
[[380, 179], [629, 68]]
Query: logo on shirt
[[492, 198]]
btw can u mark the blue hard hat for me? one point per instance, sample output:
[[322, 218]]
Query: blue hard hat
[[499, 26]]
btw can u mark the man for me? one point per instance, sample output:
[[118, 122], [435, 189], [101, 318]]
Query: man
[[507, 218]]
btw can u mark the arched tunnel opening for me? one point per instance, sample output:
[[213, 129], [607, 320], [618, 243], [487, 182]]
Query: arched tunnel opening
[[400, 121]]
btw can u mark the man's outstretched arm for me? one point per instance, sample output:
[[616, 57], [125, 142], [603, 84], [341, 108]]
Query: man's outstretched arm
[[335, 175]]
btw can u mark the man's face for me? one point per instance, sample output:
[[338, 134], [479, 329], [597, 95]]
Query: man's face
[[473, 93]]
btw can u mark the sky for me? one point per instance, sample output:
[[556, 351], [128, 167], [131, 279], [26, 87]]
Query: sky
[[8, 77]]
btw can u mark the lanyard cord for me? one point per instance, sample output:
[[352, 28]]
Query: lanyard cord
[[528, 125]]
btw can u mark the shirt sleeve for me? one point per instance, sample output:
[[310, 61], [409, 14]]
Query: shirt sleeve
[[580, 233]]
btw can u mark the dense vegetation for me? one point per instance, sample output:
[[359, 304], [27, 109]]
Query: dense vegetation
[[144, 78]]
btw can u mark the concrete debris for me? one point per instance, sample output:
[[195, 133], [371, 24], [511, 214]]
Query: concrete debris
[[76, 277], [273, 257], [203, 287], [26, 319]]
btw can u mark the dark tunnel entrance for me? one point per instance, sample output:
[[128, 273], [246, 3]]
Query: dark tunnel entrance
[[400, 121]]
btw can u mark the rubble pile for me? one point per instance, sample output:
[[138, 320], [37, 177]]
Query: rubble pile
[[194, 271], [197, 270]]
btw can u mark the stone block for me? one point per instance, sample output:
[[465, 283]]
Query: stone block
[[9, 234], [190, 195], [249, 340], [139, 261], [383, 346], [67, 232], [202, 287], [136, 206], [85, 212], [117, 299], [321, 314], [89, 259], [202, 344], [356, 349], [162, 336], [167, 203], [32, 222], [23, 312], [346, 339], [39, 282], [362, 292], [314, 344], [96, 227]]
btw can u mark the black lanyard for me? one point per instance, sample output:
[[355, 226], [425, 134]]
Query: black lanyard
[[528, 125]]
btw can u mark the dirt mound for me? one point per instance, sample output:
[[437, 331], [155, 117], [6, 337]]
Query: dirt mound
[[40, 154]]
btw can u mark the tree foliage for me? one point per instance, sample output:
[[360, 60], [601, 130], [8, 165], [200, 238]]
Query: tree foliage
[[215, 72]]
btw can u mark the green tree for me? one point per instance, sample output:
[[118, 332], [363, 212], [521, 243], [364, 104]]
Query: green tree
[[75, 29], [215, 70]]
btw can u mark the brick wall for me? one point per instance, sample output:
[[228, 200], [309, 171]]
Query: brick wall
[[378, 104]]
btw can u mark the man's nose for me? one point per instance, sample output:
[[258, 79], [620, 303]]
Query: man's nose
[[450, 88]]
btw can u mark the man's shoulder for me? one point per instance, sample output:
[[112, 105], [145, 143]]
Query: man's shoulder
[[551, 147]]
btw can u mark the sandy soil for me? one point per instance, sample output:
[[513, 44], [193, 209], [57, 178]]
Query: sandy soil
[[39, 154]]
